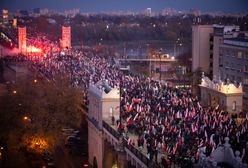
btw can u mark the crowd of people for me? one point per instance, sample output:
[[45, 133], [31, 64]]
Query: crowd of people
[[174, 125], [170, 124]]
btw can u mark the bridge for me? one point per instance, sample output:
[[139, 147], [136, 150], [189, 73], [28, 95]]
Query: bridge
[[148, 60], [107, 146]]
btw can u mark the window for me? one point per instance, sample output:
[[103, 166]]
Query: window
[[246, 81], [240, 54], [246, 68], [234, 106], [246, 55], [111, 111]]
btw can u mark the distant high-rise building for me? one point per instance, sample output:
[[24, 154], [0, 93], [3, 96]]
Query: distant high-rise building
[[44, 11], [36, 10], [195, 12], [66, 37], [24, 12], [169, 12], [22, 41], [148, 11], [14, 23], [5, 15], [72, 12]]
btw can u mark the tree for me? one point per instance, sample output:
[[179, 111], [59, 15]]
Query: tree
[[40, 108]]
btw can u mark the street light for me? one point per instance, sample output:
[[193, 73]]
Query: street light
[[26, 118], [14, 91], [160, 63]]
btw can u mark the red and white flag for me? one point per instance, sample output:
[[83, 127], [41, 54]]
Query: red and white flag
[[136, 116], [129, 120]]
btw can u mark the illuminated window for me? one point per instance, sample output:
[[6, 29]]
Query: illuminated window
[[111, 111], [246, 81], [240, 54], [234, 105]]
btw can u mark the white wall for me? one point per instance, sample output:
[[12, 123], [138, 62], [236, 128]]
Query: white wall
[[201, 46], [95, 142]]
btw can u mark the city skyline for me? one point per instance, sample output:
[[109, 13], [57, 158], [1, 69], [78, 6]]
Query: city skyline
[[232, 6]]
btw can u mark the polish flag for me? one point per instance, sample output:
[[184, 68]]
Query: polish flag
[[177, 115], [175, 130], [129, 141], [198, 105], [186, 113], [134, 100], [193, 128], [163, 129], [166, 121], [213, 127], [174, 149], [129, 120], [130, 108], [136, 116], [193, 112], [206, 135]]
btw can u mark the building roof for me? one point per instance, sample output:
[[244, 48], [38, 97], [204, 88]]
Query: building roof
[[104, 91], [240, 42], [220, 86]]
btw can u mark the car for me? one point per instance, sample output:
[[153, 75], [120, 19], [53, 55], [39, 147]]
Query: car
[[71, 133], [67, 129], [50, 164]]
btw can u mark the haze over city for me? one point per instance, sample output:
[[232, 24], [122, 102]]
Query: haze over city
[[128, 5]]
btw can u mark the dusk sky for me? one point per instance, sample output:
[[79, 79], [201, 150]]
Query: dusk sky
[[125, 5]]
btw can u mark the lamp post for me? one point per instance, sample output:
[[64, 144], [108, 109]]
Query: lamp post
[[160, 54]]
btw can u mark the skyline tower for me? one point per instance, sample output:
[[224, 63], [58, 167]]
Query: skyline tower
[[66, 37], [22, 40]]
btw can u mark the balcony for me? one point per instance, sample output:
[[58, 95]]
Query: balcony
[[141, 156], [111, 130]]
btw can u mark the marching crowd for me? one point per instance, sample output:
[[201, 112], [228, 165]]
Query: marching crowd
[[169, 123], [172, 122]]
